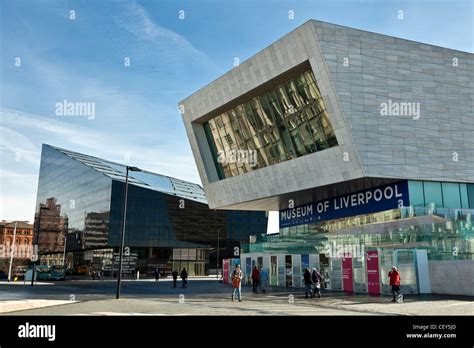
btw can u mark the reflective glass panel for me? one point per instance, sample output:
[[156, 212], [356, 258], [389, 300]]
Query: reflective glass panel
[[287, 121]]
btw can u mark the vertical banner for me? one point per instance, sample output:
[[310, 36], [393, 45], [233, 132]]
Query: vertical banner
[[373, 274], [225, 273], [304, 262], [347, 278]]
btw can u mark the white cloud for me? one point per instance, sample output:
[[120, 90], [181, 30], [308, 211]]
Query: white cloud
[[168, 45]]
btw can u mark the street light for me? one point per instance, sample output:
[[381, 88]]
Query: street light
[[122, 237], [218, 263], [37, 244], [64, 253], [12, 252]]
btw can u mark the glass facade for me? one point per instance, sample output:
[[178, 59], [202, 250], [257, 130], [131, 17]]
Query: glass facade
[[437, 225], [456, 232], [78, 209], [440, 194], [287, 121], [82, 199]]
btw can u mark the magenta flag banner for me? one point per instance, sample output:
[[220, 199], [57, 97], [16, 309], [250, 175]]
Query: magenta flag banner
[[347, 278], [373, 276], [225, 273]]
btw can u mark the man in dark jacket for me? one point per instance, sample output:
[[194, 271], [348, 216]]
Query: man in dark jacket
[[255, 276], [317, 280], [394, 276], [184, 277], [307, 283], [175, 278]]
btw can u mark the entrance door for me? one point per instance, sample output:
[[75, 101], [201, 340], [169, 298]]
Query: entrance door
[[297, 274], [387, 260], [335, 274], [273, 271], [288, 271], [324, 270], [360, 280]]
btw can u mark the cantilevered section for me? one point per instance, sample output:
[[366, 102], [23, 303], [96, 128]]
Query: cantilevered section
[[379, 110]]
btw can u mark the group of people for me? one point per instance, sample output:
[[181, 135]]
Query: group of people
[[96, 275], [259, 277], [312, 283], [174, 274]]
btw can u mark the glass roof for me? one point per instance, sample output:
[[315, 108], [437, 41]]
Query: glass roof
[[149, 180]]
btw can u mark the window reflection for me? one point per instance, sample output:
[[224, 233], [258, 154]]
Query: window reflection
[[285, 122]]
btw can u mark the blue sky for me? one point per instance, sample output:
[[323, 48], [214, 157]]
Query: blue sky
[[137, 120]]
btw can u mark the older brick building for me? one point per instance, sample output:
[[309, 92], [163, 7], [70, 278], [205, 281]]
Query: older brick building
[[23, 239]]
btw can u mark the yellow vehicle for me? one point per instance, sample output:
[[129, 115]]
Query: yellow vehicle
[[83, 270]]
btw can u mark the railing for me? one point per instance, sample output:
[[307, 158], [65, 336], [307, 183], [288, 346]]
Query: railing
[[446, 213]]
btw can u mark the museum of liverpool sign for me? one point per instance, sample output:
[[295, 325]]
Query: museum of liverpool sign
[[373, 200]]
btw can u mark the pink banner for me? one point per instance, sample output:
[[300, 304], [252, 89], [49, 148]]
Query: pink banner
[[347, 279], [373, 276], [225, 273]]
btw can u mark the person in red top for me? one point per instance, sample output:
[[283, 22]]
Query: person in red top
[[394, 276], [255, 276]]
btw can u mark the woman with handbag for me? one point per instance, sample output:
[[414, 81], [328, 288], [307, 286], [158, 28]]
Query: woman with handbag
[[237, 283], [317, 280]]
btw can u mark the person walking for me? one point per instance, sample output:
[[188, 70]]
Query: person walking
[[184, 277], [237, 283], [157, 274], [394, 276], [307, 283], [317, 279], [255, 276], [263, 279], [174, 274]]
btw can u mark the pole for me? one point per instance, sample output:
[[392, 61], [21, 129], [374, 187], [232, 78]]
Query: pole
[[218, 263], [64, 252], [37, 245], [11, 253], [122, 237]]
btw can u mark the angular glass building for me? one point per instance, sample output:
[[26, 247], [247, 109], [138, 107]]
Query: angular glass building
[[363, 143], [169, 225]]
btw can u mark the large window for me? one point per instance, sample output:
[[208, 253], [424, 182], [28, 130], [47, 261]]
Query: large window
[[283, 123], [416, 194], [433, 193], [442, 194], [451, 195]]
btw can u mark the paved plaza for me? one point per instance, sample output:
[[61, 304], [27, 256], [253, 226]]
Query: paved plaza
[[207, 296]]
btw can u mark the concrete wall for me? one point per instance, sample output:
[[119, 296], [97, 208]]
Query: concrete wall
[[381, 68], [452, 277], [313, 170]]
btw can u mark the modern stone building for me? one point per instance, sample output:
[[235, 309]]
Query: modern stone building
[[358, 139]]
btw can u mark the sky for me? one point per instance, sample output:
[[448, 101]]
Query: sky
[[135, 60]]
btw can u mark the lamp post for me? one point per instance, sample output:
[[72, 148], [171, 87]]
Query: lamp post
[[64, 253], [218, 263], [11, 252], [37, 244], [122, 236]]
